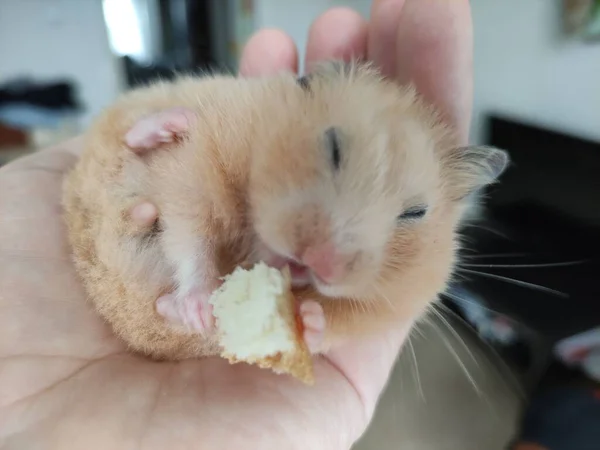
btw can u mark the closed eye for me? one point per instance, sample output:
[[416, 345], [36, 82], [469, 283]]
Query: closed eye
[[334, 147], [414, 213]]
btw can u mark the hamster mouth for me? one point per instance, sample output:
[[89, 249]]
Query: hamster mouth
[[301, 274]]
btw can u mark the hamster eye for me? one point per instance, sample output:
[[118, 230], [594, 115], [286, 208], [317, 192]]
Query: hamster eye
[[333, 146], [414, 213]]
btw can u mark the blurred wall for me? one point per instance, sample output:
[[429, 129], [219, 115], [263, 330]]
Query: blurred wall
[[48, 38], [525, 67]]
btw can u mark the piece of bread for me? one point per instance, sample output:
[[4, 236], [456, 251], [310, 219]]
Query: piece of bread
[[257, 323]]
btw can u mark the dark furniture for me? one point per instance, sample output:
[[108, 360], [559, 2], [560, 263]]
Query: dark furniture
[[545, 210], [187, 38]]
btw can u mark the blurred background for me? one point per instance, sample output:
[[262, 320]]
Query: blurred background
[[537, 94], [82, 53]]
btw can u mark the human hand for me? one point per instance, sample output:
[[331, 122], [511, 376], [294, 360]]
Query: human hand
[[67, 383]]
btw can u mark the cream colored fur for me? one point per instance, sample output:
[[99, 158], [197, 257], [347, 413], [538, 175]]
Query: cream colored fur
[[253, 173]]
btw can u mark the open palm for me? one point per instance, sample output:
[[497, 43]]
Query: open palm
[[66, 382]]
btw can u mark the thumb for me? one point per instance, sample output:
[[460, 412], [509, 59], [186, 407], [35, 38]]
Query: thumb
[[57, 159]]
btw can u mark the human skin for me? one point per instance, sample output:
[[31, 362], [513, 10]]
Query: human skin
[[67, 383]]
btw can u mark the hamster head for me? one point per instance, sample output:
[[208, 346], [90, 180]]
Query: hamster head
[[357, 185]]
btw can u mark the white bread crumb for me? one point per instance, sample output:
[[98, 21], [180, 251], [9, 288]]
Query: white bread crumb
[[256, 321]]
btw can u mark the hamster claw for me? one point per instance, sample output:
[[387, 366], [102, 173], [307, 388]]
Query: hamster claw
[[192, 311], [313, 319]]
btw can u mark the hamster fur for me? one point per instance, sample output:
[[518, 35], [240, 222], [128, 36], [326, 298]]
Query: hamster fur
[[347, 176]]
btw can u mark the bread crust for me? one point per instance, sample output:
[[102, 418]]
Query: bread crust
[[297, 362]]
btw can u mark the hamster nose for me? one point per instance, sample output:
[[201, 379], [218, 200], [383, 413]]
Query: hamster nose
[[327, 264]]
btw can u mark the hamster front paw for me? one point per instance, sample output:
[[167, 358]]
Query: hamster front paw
[[162, 127], [313, 320], [192, 311]]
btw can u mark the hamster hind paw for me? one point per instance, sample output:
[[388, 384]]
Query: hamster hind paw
[[192, 311]]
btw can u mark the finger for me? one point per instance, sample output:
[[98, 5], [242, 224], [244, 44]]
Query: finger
[[339, 33], [434, 51], [368, 361], [383, 30], [267, 52], [73, 146]]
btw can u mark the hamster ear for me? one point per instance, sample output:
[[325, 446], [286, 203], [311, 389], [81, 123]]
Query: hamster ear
[[474, 167]]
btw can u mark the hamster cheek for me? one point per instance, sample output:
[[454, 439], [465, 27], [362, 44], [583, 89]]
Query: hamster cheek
[[313, 320]]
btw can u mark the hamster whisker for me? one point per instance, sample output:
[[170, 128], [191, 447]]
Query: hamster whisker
[[466, 239], [527, 266], [514, 381], [372, 305], [489, 229], [416, 372], [417, 329], [455, 355], [499, 255], [470, 302], [359, 305], [516, 282], [382, 295], [353, 308], [454, 333], [369, 304]]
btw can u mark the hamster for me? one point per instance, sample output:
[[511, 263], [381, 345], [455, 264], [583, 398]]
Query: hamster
[[346, 177]]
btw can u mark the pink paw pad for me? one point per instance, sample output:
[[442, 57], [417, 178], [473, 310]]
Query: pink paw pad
[[159, 128], [192, 311], [313, 319]]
